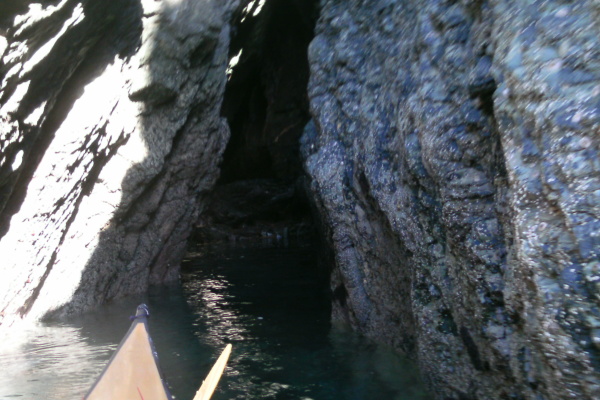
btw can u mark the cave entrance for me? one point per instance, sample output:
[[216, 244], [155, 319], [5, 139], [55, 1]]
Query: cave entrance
[[261, 193]]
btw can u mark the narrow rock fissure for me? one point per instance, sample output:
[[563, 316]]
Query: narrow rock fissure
[[261, 193]]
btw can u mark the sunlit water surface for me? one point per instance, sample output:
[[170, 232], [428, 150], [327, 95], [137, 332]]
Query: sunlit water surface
[[266, 302]]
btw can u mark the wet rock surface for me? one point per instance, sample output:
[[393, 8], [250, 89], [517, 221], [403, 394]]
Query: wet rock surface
[[453, 154], [111, 137], [256, 211]]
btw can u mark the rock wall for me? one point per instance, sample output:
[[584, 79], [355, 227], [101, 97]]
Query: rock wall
[[454, 160], [111, 137]]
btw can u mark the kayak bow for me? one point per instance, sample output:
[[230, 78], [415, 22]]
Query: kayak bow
[[133, 372]]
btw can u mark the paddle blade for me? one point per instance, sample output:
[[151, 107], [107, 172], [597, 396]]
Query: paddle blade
[[210, 383]]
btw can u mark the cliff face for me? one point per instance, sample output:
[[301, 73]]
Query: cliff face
[[454, 159], [111, 136]]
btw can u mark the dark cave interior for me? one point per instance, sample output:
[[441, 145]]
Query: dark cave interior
[[261, 193]]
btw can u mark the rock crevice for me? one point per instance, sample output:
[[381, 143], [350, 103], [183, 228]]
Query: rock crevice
[[261, 193]]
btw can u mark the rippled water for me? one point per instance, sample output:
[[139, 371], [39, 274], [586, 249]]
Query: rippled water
[[266, 302]]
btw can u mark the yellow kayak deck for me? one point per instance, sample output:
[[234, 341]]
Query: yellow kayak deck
[[133, 372]]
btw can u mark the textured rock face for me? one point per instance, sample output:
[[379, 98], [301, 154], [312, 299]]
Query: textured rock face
[[454, 158], [111, 136]]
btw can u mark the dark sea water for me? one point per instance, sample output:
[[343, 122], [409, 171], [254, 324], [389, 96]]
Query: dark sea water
[[269, 303]]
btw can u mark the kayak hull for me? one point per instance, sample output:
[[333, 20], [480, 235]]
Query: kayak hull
[[132, 372]]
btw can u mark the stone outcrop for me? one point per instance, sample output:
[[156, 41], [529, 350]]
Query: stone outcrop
[[454, 158], [111, 138]]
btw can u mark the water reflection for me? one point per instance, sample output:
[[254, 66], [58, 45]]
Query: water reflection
[[272, 306], [267, 303], [49, 363]]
